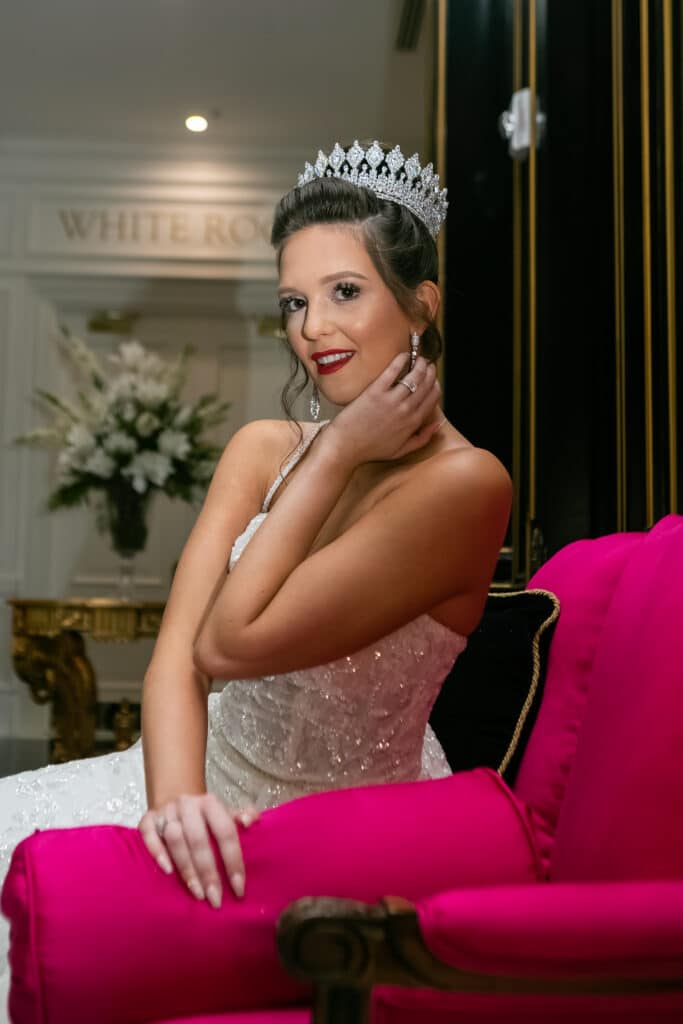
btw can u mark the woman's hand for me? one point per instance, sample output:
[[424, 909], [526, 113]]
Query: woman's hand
[[179, 832], [389, 418]]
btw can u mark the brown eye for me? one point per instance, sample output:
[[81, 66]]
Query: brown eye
[[346, 290], [290, 304]]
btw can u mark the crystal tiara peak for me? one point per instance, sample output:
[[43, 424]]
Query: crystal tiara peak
[[389, 175]]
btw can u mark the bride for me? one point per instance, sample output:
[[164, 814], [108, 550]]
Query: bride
[[359, 555]]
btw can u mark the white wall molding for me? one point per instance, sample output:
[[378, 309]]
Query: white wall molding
[[34, 161], [115, 690], [183, 292], [6, 222], [152, 212], [108, 227], [158, 296], [109, 581]]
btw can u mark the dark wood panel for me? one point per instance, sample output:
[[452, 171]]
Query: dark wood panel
[[478, 300], [576, 449]]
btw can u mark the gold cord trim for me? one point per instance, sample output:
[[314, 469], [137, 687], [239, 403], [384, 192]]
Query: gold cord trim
[[516, 517], [533, 87], [647, 257], [536, 660], [619, 292], [670, 208]]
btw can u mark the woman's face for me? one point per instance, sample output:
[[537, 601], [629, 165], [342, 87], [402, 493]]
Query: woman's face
[[336, 305]]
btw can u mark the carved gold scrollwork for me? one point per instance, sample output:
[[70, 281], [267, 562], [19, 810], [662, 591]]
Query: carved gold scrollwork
[[57, 669], [75, 699], [33, 660], [124, 726], [48, 652]]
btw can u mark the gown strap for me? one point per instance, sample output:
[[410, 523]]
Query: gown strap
[[298, 453]]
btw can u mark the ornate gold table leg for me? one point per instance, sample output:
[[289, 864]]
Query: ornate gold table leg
[[58, 671], [124, 725]]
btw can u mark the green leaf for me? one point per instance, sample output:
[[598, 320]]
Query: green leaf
[[69, 495], [57, 403]]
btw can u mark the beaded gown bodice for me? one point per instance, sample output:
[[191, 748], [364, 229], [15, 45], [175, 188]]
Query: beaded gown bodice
[[358, 720]]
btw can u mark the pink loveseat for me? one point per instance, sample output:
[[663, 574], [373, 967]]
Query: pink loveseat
[[578, 871]]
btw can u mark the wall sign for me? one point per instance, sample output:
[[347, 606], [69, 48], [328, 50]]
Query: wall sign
[[61, 227]]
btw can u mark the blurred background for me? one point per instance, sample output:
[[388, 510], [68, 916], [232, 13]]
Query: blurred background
[[555, 126]]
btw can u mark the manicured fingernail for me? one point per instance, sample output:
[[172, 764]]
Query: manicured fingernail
[[213, 896], [196, 889], [237, 883], [246, 820], [164, 863]]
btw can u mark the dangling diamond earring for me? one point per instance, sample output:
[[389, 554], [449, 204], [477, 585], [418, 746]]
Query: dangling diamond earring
[[414, 345], [315, 402]]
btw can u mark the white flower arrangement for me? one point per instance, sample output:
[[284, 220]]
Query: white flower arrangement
[[130, 433]]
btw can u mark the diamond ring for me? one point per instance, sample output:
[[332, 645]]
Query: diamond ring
[[160, 824], [410, 384]]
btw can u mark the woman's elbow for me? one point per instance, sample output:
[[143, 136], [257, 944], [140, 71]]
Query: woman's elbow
[[212, 660], [206, 658]]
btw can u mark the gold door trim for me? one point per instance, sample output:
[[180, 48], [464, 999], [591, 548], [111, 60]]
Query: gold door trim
[[533, 86], [670, 213], [517, 72], [440, 155], [619, 299], [647, 257]]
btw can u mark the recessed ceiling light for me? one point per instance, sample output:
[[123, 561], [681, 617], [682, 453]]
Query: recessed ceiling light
[[196, 123]]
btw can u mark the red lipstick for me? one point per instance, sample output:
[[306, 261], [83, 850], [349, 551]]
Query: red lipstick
[[332, 359]]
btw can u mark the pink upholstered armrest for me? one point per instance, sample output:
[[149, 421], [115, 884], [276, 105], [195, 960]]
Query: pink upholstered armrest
[[625, 929], [99, 933]]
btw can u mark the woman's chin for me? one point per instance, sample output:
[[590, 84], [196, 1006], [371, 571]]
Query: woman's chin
[[337, 400], [342, 393]]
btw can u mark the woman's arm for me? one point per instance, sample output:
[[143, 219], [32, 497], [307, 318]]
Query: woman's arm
[[431, 539], [175, 691]]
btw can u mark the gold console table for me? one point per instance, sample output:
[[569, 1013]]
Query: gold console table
[[49, 655]]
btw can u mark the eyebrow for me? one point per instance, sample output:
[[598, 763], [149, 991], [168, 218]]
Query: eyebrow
[[328, 277]]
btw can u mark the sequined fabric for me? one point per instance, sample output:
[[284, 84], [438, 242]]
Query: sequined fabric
[[354, 721], [359, 720]]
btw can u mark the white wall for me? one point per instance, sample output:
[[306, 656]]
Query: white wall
[[214, 300]]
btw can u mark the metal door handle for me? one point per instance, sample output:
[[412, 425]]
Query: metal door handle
[[513, 124]]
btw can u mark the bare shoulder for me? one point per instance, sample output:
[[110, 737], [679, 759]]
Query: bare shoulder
[[265, 435], [261, 441], [274, 437], [255, 453], [470, 476], [463, 497]]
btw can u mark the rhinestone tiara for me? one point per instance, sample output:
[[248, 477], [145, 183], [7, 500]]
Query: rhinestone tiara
[[390, 175]]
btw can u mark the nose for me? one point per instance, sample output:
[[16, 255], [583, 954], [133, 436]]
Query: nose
[[316, 324]]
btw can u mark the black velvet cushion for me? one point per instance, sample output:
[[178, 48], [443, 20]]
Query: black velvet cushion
[[488, 703]]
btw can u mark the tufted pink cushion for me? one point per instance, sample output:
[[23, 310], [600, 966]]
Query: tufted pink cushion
[[99, 933], [622, 816], [583, 575]]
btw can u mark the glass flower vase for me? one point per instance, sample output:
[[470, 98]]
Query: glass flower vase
[[125, 584], [126, 522]]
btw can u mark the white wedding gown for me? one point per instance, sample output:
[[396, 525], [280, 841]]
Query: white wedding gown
[[359, 720]]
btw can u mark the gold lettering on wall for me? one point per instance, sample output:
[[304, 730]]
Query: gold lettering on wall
[[214, 230], [179, 228], [76, 223], [154, 231], [111, 226], [243, 230]]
